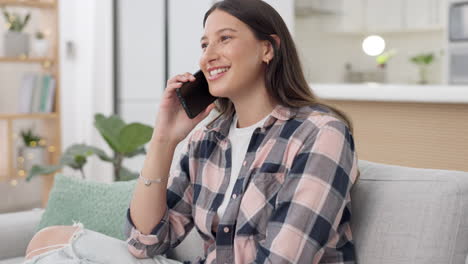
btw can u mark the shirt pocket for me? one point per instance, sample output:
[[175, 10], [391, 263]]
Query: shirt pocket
[[258, 203], [268, 184]]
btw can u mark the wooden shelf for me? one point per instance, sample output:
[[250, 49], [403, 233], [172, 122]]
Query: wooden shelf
[[13, 181], [28, 3], [29, 116], [26, 60], [49, 64]]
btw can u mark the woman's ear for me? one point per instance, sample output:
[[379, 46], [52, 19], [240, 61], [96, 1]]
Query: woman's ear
[[277, 39], [269, 51]]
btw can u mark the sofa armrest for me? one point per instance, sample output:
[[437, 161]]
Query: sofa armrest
[[16, 230]]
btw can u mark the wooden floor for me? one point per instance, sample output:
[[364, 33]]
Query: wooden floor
[[423, 135]]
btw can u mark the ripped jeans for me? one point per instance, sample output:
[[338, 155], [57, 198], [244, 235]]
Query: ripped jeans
[[90, 247]]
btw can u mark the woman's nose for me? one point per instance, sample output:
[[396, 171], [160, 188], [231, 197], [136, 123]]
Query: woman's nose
[[211, 54]]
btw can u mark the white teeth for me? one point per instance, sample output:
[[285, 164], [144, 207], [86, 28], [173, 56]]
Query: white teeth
[[217, 71]]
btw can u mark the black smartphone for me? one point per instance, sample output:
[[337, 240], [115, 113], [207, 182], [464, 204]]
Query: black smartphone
[[195, 96]]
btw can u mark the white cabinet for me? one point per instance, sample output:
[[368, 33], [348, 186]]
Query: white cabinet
[[317, 7], [383, 15], [380, 16], [424, 14], [351, 16]]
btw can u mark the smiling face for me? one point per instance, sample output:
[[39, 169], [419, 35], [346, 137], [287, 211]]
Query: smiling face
[[232, 58]]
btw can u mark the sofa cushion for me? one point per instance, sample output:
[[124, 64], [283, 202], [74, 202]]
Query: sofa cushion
[[16, 230], [407, 215], [12, 261], [189, 249], [99, 206]]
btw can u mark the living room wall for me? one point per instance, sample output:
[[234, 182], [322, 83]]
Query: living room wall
[[86, 31]]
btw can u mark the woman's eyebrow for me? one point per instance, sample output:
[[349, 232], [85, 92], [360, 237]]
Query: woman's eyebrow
[[220, 30]]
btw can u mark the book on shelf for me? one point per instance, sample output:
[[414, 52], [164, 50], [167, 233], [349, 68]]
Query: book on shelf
[[35, 102], [37, 93], [26, 91]]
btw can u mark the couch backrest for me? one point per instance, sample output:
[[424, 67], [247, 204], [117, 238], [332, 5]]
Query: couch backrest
[[408, 215], [400, 215]]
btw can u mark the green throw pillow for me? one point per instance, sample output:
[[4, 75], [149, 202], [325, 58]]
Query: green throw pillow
[[99, 206]]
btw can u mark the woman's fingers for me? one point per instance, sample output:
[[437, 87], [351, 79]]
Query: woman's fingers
[[178, 80], [181, 78], [189, 76], [174, 86]]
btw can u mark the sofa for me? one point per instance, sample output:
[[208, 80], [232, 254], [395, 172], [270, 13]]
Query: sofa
[[400, 215]]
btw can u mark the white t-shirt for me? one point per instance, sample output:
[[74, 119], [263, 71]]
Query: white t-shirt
[[240, 139]]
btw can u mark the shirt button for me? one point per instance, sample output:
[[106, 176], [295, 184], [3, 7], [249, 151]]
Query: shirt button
[[234, 196], [226, 230]]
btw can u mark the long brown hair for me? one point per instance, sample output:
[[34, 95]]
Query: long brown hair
[[284, 78]]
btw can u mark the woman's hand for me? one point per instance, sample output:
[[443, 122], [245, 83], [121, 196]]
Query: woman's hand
[[172, 123]]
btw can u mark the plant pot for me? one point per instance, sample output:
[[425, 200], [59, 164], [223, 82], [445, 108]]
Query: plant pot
[[32, 156], [423, 75], [39, 47], [16, 44]]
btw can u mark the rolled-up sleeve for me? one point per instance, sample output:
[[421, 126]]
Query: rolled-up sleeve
[[177, 221], [312, 200]]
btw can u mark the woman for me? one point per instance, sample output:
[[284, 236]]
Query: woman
[[268, 181]]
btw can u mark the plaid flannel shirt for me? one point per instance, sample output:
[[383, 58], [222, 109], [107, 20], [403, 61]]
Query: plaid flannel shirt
[[290, 204]]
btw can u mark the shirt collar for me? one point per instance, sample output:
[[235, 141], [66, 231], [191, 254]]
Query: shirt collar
[[280, 112]]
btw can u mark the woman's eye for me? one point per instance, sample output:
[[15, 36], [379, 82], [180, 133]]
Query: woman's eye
[[225, 37]]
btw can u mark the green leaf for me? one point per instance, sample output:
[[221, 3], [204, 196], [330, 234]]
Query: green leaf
[[110, 129], [127, 175], [68, 160], [423, 59], [386, 56], [42, 170], [80, 161], [76, 155], [6, 15], [29, 137], [25, 22], [14, 21], [134, 136], [90, 150], [428, 58], [101, 154], [79, 149], [140, 151]]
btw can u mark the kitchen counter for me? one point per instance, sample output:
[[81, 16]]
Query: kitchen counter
[[409, 125], [456, 94]]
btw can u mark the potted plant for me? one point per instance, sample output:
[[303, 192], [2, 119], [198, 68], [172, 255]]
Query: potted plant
[[16, 42], [423, 61], [33, 151], [126, 140], [382, 62], [383, 58], [39, 45]]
